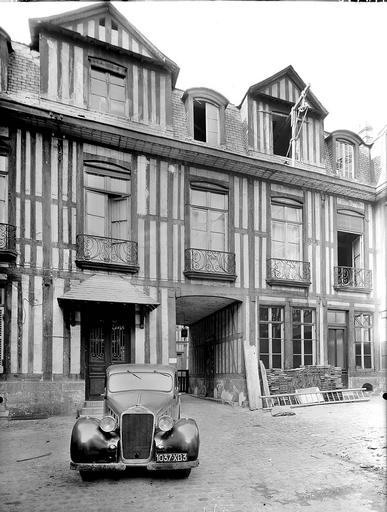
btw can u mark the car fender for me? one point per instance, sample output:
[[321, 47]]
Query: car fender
[[183, 437], [90, 444]]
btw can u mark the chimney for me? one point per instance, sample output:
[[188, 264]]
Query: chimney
[[366, 133]]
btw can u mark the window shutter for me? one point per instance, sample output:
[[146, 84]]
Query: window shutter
[[2, 339]]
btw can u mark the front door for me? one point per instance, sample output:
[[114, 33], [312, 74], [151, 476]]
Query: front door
[[107, 342], [337, 351]]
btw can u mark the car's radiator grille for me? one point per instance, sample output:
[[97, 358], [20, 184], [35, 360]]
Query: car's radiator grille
[[136, 434]]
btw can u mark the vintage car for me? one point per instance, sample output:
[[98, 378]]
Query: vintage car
[[140, 426]]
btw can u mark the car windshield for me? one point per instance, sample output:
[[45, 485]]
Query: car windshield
[[140, 380]]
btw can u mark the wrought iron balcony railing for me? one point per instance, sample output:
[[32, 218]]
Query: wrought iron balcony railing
[[290, 272], [98, 251], [7, 242], [352, 278], [210, 264]]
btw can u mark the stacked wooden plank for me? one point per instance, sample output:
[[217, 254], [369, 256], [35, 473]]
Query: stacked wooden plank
[[324, 377]]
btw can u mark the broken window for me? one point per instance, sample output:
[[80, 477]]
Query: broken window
[[304, 337], [114, 33], [271, 336], [364, 341], [206, 122], [101, 29], [282, 134]]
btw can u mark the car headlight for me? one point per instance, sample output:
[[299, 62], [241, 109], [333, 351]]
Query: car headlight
[[165, 423], [108, 424]]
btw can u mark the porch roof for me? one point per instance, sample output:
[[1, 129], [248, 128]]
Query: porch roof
[[108, 288]]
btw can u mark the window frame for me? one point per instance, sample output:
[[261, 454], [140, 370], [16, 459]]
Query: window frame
[[361, 342], [269, 322], [209, 187], [302, 340], [109, 69], [108, 172], [344, 172], [287, 203], [213, 98]]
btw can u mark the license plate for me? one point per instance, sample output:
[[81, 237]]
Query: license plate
[[171, 457]]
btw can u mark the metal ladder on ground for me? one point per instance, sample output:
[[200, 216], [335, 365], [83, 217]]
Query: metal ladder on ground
[[317, 397]]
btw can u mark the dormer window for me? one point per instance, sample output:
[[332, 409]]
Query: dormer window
[[205, 112], [107, 87], [206, 122], [282, 134], [345, 161]]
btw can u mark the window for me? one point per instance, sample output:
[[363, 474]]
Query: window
[[3, 199], [107, 87], [286, 229], [349, 250], [2, 313], [114, 33], [209, 217], [304, 337], [107, 202], [271, 336], [206, 122], [344, 159], [101, 29], [282, 134], [364, 357]]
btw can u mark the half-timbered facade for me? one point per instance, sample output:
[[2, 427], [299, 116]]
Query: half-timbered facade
[[128, 206]]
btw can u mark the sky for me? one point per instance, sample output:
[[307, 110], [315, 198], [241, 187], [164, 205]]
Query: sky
[[339, 48]]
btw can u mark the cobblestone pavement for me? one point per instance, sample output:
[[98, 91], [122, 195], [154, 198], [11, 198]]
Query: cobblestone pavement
[[325, 458]]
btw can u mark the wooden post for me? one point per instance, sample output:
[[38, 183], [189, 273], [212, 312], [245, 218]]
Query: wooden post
[[252, 377]]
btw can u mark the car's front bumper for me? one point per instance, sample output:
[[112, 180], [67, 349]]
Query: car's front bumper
[[120, 466]]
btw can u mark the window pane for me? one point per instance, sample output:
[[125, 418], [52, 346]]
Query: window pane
[[116, 79], [218, 201], [276, 361], [296, 347], [296, 361], [265, 360], [217, 242], [358, 349], [276, 346], [278, 231], [367, 348], [308, 316], [264, 313], [117, 107], [117, 92], [264, 346], [199, 219], [277, 211], [199, 239], [293, 214], [308, 347], [276, 331], [367, 362], [276, 314], [95, 225], [308, 332], [278, 250], [308, 359], [198, 197], [264, 330], [217, 222], [117, 185], [296, 315]]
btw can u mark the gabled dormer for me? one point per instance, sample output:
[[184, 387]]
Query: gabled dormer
[[266, 111], [93, 58]]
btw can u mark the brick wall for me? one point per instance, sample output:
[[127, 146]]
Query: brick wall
[[24, 70]]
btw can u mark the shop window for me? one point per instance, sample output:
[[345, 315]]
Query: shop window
[[271, 336], [364, 357], [209, 217], [282, 134], [304, 337], [107, 87]]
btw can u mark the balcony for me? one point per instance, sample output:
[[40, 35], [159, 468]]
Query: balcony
[[352, 279], [106, 253], [7, 242], [288, 273], [204, 264]]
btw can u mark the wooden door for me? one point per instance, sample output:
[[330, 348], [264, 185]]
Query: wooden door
[[107, 342], [337, 350]]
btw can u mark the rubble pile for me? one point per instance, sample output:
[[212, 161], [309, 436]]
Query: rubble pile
[[324, 377]]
